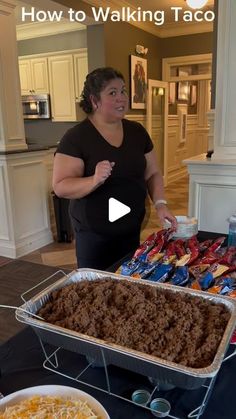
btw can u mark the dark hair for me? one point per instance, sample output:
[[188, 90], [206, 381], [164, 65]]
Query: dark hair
[[95, 82]]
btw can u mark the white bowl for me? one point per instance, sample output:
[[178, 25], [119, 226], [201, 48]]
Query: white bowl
[[55, 391], [187, 227]]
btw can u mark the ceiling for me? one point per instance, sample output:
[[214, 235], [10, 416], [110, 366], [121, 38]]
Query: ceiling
[[168, 28], [149, 5]]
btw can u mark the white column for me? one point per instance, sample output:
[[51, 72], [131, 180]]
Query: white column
[[212, 184], [225, 116], [12, 135], [24, 214]]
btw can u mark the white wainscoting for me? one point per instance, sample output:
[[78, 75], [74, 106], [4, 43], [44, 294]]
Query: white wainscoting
[[195, 144], [24, 211], [212, 192]]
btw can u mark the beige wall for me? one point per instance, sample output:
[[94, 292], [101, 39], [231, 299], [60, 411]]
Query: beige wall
[[96, 47], [120, 41], [201, 43], [117, 52], [52, 43]]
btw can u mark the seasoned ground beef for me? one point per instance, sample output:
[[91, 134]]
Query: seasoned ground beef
[[176, 327]]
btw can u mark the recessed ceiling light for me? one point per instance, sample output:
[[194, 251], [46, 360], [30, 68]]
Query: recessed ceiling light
[[196, 4]]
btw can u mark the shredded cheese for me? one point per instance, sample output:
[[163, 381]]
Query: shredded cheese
[[47, 407]]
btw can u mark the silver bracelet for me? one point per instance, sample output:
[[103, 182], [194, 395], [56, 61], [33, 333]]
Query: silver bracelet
[[159, 202]]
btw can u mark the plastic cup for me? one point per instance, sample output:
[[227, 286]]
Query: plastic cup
[[141, 397], [160, 408]]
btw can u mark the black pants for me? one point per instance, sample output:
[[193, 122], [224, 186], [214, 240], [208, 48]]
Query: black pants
[[99, 252]]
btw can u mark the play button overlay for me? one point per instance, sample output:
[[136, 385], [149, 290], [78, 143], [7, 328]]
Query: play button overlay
[[116, 210]]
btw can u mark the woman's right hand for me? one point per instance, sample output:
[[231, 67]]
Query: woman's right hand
[[102, 172]]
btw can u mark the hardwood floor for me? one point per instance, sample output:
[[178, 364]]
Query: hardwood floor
[[176, 195], [4, 261], [16, 278], [57, 254]]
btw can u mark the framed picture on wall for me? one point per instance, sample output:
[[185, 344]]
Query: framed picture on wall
[[138, 82]]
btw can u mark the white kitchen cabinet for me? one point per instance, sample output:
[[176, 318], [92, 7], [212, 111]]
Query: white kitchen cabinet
[[62, 87], [34, 76], [25, 77], [81, 71], [62, 75]]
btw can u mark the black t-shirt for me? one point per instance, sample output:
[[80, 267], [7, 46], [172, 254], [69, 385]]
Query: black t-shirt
[[126, 183]]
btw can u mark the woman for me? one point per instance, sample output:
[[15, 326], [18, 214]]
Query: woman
[[106, 156]]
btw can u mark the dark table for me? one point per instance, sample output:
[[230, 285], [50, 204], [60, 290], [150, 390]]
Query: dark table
[[21, 360]]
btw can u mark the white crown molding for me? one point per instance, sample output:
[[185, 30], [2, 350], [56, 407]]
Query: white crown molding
[[165, 31], [38, 29], [54, 53], [171, 30]]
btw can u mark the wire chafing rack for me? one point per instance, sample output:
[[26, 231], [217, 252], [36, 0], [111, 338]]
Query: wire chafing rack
[[54, 363]]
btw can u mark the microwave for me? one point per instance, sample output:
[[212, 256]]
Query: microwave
[[36, 106]]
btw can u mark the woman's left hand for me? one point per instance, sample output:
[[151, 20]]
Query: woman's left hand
[[164, 213]]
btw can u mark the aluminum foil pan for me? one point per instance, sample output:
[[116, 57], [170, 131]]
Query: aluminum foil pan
[[148, 365]]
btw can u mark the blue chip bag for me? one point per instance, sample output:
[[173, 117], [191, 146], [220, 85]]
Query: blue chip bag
[[181, 276], [206, 281], [161, 273]]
